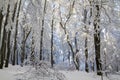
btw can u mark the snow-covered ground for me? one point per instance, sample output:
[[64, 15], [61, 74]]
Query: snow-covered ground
[[80, 75], [6, 75], [12, 72]]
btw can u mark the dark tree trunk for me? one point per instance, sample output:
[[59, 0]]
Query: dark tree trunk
[[16, 32], [70, 45], [23, 52], [86, 40], [75, 61], [8, 40], [3, 49], [97, 39], [8, 47], [8, 34], [14, 12], [17, 61], [52, 61], [41, 41], [4, 39], [69, 57], [1, 20], [25, 37], [42, 31], [23, 48], [76, 53], [86, 55], [1, 54], [32, 56]]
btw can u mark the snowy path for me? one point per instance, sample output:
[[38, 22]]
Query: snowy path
[[10, 74], [5, 75]]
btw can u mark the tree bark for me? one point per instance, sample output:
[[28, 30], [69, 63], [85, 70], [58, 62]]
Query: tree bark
[[97, 39], [76, 53], [25, 37], [32, 56], [3, 48], [4, 39], [42, 31], [86, 41], [14, 12], [23, 49], [8, 47], [16, 32], [86, 55], [41, 42], [52, 61], [1, 19]]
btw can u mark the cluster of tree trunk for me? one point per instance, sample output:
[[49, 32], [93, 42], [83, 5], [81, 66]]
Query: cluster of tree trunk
[[5, 36], [96, 23]]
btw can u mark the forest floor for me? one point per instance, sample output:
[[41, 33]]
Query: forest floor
[[12, 72], [81, 75]]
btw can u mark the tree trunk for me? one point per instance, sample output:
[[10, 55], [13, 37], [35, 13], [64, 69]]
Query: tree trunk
[[8, 47], [14, 12], [86, 40], [52, 61], [76, 53], [25, 36], [75, 61], [32, 56], [3, 49], [23, 48], [86, 55], [16, 32], [8, 40], [69, 57], [41, 42], [42, 31], [97, 39], [67, 36], [17, 61], [1, 19], [4, 43]]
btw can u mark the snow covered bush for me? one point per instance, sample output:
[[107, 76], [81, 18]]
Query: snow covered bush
[[41, 71]]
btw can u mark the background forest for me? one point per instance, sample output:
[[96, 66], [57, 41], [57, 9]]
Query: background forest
[[79, 35]]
